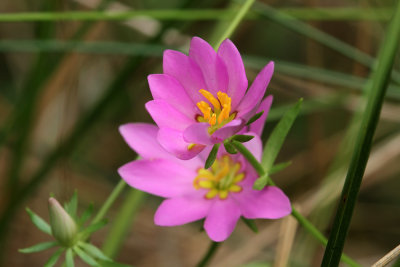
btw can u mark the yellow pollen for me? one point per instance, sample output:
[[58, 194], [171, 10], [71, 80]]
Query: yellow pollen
[[221, 179], [219, 114], [191, 146]]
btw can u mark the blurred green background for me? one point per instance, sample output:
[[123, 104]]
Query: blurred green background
[[67, 82]]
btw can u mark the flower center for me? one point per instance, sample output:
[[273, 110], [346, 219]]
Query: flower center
[[217, 116], [221, 179]]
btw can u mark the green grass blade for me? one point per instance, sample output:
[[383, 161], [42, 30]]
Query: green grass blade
[[123, 222], [41, 224], [38, 247], [380, 79], [317, 35]]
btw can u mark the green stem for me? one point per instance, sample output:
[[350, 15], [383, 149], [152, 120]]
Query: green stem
[[300, 218], [211, 251], [123, 222], [362, 148], [235, 22], [110, 200]]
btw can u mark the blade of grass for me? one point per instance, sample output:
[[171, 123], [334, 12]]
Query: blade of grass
[[380, 79], [317, 35]]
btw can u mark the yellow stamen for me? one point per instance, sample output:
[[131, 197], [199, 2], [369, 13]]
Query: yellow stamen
[[205, 109], [238, 178], [223, 194], [206, 184], [212, 193], [213, 119], [191, 146], [235, 188], [210, 98]]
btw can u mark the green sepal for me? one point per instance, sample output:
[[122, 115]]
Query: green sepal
[[242, 138], [85, 257], [93, 251], [39, 247], [254, 118], [261, 182], [69, 258], [251, 224], [41, 224], [54, 258], [86, 215], [212, 156], [229, 147], [93, 228]]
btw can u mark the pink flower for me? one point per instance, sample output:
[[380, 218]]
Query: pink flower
[[220, 194], [201, 99]]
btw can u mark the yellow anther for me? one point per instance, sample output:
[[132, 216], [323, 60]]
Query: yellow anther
[[213, 119], [211, 98], [224, 99], [223, 194], [205, 109], [235, 188], [238, 178], [191, 146], [212, 193], [206, 184]]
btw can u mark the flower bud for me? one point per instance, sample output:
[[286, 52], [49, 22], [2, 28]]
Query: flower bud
[[63, 226]]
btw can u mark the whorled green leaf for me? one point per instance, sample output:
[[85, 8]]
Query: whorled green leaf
[[229, 147], [251, 224], [279, 167], [278, 136], [242, 138], [212, 156], [93, 251], [69, 258], [85, 257], [54, 258], [94, 227], [39, 247], [254, 118], [41, 224], [85, 215], [72, 206]]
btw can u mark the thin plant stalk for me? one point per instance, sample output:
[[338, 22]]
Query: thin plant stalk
[[370, 118], [209, 254], [300, 218]]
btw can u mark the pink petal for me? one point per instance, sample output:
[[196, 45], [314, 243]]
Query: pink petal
[[256, 91], [237, 84], [166, 87], [178, 211], [228, 130], [172, 140], [159, 177], [255, 145], [258, 126], [221, 219], [167, 116], [197, 133], [186, 71], [270, 203], [213, 68], [142, 138]]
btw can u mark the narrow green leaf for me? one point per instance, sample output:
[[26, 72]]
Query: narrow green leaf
[[38, 247], [212, 156], [94, 227], [54, 258], [255, 117], [85, 257], [113, 264], [278, 136], [370, 117], [251, 224], [229, 147], [93, 251], [69, 258], [41, 224], [279, 167], [86, 215], [71, 207], [242, 138], [261, 182]]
